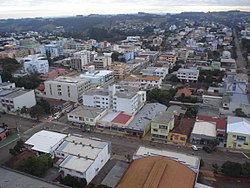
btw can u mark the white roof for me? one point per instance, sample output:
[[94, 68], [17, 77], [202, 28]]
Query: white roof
[[188, 160], [80, 150], [76, 163], [204, 128], [238, 125], [44, 141]]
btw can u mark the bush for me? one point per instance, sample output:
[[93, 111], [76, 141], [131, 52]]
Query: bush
[[231, 169], [74, 181]]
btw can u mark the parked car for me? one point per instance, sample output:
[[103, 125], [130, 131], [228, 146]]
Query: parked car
[[194, 147], [207, 149]]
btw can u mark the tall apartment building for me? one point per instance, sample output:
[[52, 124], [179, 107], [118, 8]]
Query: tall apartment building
[[66, 88], [80, 59], [115, 99], [36, 63], [155, 71], [102, 62], [188, 75]]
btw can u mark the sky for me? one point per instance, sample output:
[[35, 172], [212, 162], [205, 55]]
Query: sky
[[55, 8]]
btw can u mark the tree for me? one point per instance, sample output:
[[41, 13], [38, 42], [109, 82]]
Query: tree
[[45, 105], [74, 181], [246, 170], [37, 112], [162, 96], [174, 79], [34, 165], [238, 112], [115, 56], [231, 169], [191, 112], [17, 148], [23, 110]]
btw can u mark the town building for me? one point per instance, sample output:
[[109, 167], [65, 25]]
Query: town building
[[3, 133], [80, 59], [45, 142], [36, 64], [238, 133], [102, 62], [161, 124], [181, 131], [230, 102], [116, 99], [84, 115], [119, 70], [82, 157], [14, 99], [188, 75], [66, 88], [203, 132], [237, 83], [7, 85], [99, 77], [140, 125], [155, 71], [146, 82], [157, 171]]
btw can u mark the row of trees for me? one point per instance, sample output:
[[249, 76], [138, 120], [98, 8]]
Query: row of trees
[[233, 169], [162, 96]]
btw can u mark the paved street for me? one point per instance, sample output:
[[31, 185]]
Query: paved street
[[121, 145]]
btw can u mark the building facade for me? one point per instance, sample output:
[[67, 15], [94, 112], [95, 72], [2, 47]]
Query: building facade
[[188, 75], [66, 88]]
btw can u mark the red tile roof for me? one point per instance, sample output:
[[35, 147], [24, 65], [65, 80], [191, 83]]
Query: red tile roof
[[220, 122], [183, 126], [40, 88], [121, 118], [185, 91]]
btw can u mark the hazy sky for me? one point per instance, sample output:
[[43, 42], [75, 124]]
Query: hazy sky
[[47, 8]]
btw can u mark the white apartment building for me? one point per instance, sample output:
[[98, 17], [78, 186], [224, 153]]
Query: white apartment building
[[115, 99], [36, 63], [146, 82], [80, 59], [188, 75], [155, 71], [16, 98], [66, 88], [83, 157]]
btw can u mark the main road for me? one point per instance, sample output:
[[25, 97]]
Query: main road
[[121, 145]]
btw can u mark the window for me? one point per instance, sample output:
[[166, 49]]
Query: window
[[234, 136], [182, 138], [70, 116], [163, 127], [155, 130]]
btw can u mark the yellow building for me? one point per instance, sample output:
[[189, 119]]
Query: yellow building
[[238, 133], [168, 57], [161, 125], [182, 130]]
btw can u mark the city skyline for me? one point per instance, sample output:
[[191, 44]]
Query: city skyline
[[45, 8]]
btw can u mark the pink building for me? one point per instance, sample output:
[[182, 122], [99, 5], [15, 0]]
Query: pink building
[[3, 133]]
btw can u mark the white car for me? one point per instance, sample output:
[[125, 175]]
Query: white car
[[194, 148]]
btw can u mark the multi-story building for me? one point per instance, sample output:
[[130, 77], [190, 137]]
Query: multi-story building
[[115, 99], [146, 82], [36, 63], [80, 59], [231, 102], [100, 77], [169, 56], [238, 133], [119, 70], [237, 83], [155, 71], [162, 123], [102, 62], [54, 50], [188, 75], [14, 99], [66, 88]]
